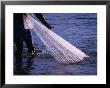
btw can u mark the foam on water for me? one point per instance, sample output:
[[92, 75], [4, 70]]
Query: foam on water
[[61, 50]]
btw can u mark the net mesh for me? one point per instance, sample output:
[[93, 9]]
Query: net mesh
[[61, 50]]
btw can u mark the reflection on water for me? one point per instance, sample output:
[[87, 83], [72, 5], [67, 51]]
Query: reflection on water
[[80, 29], [23, 70]]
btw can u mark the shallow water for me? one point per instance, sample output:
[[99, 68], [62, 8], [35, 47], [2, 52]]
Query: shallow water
[[78, 29]]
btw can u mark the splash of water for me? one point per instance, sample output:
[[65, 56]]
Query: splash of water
[[61, 50]]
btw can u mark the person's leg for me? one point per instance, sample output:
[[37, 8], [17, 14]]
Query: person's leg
[[19, 48], [28, 40], [18, 34]]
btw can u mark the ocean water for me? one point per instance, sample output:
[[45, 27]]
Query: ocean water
[[80, 29]]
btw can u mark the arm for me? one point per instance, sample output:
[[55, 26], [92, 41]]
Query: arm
[[41, 18]]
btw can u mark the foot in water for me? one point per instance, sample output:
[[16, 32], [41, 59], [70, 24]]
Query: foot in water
[[43, 54], [37, 53], [32, 54], [40, 53]]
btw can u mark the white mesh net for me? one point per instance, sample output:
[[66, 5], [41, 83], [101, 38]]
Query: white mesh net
[[61, 50]]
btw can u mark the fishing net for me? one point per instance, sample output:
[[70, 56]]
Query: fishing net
[[61, 50]]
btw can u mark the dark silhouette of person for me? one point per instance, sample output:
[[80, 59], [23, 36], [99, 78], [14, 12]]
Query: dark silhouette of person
[[24, 35]]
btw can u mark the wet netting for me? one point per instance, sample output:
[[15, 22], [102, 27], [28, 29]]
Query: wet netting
[[61, 50]]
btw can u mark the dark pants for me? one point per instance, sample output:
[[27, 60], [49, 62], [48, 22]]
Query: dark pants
[[26, 37], [21, 35]]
